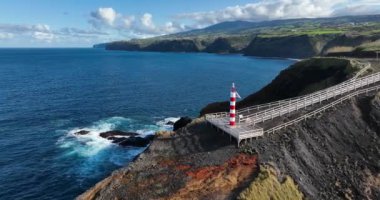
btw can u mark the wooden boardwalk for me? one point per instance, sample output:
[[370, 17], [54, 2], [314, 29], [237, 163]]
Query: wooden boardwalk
[[249, 119]]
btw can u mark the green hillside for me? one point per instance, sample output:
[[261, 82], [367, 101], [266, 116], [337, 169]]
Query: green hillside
[[296, 38]]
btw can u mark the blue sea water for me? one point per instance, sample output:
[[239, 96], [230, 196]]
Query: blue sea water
[[48, 94]]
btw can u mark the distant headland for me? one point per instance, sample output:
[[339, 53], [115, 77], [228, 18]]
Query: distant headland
[[355, 36]]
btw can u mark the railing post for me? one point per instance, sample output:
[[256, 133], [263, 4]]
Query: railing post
[[304, 102]]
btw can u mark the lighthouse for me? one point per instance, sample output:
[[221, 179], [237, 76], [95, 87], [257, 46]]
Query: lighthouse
[[233, 96]]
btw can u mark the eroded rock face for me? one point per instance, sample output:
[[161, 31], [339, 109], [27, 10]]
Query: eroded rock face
[[299, 46], [182, 122]]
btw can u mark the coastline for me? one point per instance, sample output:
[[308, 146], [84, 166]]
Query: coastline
[[198, 162]]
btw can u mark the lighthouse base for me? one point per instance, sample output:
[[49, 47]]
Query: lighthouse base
[[240, 131]]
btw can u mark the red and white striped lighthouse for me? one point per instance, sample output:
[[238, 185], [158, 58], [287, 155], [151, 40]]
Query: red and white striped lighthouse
[[233, 96]]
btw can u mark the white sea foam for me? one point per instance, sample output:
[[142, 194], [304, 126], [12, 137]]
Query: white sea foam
[[90, 144], [164, 123], [94, 152]]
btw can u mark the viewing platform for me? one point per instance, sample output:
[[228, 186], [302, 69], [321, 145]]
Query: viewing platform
[[243, 124]]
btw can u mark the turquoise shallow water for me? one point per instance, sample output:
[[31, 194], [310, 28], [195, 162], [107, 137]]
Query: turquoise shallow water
[[47, 94]]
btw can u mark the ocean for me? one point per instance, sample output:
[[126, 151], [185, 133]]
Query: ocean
[[48, 94]]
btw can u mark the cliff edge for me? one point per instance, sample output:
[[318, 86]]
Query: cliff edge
[[334, 155]]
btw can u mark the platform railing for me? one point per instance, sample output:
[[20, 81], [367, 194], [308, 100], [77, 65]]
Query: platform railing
[[249, 109], [309, 100], [323, 108]]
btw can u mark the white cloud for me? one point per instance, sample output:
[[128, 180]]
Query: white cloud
[[105, 15], [44, 36], [80, 32], [4, 36], [147, 22], [130, 25], [22, 29], [37, 31], [128, 21], [283, 9], [363, 7], [107, 24]]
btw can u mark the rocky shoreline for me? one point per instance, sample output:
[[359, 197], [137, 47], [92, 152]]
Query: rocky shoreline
[[332, 156]]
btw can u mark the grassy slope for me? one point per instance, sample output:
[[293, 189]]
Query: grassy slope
[[267, 186]]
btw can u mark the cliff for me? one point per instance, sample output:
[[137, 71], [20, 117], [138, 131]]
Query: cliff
[[293, 38], [297, 46], [301, 78], [335, 155], [287, 46]]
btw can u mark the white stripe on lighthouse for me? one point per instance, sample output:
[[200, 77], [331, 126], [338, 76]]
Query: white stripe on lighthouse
[[232, 105]]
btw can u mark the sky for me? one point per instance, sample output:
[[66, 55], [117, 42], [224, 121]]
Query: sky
[[82, 23]]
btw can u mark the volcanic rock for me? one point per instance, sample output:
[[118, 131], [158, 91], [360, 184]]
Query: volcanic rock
[[116, 133], [182, 122], [82, 132], [136, 141]]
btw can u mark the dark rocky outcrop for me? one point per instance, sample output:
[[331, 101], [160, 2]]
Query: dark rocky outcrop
[[182, 45], [220, 45], [82, 132], [301, 78], [123, 138], [136, 141], [170, 123], [182, 122], [123, 45], [114, 133], [127, 138]]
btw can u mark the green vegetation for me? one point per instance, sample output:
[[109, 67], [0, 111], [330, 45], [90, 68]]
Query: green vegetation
[[267, 186], [342, 68], [293, 38], [248, 150], [370, 46]]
